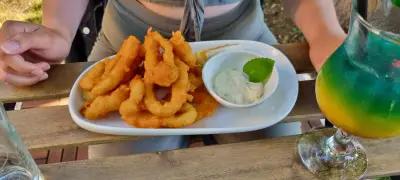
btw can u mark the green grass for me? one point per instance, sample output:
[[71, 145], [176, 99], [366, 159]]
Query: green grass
[[22, 10], [383, 178]]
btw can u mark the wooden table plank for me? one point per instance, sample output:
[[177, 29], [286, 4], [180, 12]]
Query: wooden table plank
[[298, 54], [82, 153], [40, 157], [52, 127], [61, 79], [55, 156], [62, 76], [263, 159], [69, 154], [306, 107]]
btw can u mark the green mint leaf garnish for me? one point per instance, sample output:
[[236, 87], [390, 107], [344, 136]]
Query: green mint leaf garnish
[[259, 69]]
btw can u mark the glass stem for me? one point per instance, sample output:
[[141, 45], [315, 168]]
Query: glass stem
[[338, 149]]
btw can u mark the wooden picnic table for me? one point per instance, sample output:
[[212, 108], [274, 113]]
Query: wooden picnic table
[[235, 158]]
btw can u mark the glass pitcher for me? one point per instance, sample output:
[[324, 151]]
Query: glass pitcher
[[16, 163], [358, 90]]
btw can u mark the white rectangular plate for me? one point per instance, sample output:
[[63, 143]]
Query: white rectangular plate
[[225, 120]]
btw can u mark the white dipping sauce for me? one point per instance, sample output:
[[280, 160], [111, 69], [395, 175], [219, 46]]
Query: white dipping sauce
[[233, 86]]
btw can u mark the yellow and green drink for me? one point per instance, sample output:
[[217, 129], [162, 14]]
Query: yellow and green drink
[[358, 90]]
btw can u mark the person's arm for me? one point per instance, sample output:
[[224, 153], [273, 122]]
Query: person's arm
[[318, 21], [64, 16], [27, 49]]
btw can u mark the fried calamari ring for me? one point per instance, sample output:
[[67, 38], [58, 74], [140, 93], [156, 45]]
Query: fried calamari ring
[[131, 112], [204, 103], [178, 94], [126, 63], [182, 49], [201, 57], [108, 66], [163, 75], [195, 82], [186, 116], [87, 96], [105, 104], [164, 72], [92, 77], [195, 78], [144, 119], [130, 109]]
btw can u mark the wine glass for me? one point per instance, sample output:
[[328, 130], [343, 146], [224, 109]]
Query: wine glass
[[15, 160], [358, 90]]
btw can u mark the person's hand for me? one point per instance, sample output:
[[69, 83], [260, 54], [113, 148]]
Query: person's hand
[[323, 47], [27, 50]]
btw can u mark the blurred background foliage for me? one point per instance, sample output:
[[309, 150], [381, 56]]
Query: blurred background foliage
[[24, 10]]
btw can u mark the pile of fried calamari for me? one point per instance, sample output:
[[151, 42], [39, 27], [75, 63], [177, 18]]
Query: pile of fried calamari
[[157, 84]]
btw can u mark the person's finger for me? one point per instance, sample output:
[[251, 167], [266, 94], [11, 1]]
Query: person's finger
[[37, 72], [2, 72], [10, 47], [24, 41], [17, 63], [10, 28], [43, 65], [2, 75], [20, 80], [37, 60]]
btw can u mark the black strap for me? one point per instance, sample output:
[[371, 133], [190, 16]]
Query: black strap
[[362, 8]]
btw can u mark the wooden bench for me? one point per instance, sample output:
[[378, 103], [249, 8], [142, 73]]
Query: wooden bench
[[52, 128]]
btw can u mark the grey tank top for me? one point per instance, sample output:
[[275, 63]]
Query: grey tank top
[[193, 17], [182, 2]]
